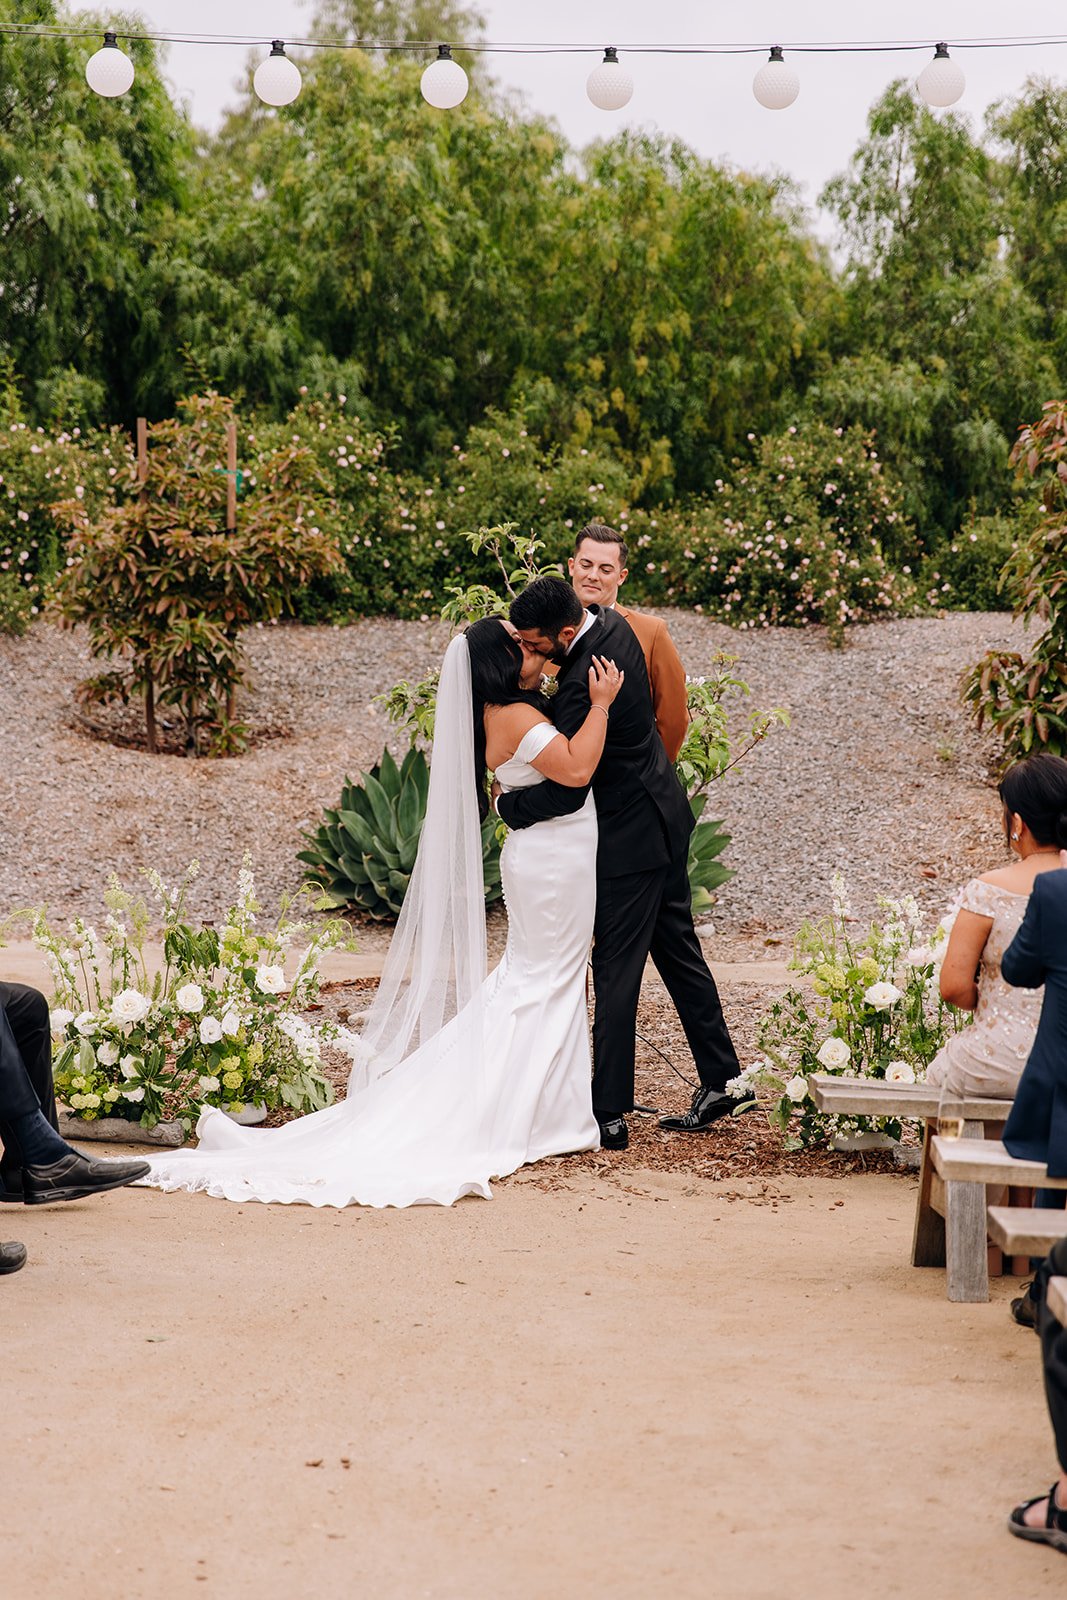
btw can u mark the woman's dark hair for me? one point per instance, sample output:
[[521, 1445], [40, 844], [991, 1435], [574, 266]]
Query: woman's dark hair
[[1036, 790], [496, 661]]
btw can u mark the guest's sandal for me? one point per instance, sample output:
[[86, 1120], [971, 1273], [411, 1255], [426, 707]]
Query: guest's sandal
[[1053, 1533]]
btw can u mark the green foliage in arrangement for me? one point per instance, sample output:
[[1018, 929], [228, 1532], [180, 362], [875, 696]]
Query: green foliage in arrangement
[[1024, 698], [362, 854]]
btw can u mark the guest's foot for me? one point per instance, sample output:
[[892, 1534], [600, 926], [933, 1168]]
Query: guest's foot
[[11, 1187], [1024, 1308], [614, 1134], [12, 1256], [74, 1176], [709, 1106], [1041, 1520]]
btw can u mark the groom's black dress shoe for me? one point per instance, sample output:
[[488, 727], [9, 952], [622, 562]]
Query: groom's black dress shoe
[[707, 1108], [11, 1188], [74, 1176], [12, 1256], [614, 1134]]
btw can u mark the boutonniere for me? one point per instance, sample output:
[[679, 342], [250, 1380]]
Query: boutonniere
[[549, 684]]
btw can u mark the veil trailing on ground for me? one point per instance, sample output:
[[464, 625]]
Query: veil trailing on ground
[[436, 963]]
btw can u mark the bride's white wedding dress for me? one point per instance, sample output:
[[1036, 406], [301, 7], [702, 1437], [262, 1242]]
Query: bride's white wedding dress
[[506, 1081]]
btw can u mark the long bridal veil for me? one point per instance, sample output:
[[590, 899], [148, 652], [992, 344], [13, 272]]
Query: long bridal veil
[[435, 967]]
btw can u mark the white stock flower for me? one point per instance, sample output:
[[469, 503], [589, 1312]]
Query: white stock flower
[[107, 1054], [210, 1030], [190, 998], [293, 1027], [900, 1072], [85, 1024], [136, 1095], [270, 980], [130, 1006], [209, 1085], [834, 1053], [797, 1089], [882, 995], [130, 1066], [231, 1022], [59, 1019], [919, 956]]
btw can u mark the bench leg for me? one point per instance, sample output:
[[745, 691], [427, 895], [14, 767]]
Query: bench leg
[[928, 1240], [966, 1234]]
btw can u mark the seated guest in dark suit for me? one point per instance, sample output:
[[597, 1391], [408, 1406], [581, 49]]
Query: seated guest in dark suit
[[48, 1168], [1036, 1129], [1044, 1519]]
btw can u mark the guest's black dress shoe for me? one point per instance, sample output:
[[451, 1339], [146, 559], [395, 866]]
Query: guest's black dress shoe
[[707, 1108], [614, 1134], [12, 1256], [11, 1187], [74, 1176]]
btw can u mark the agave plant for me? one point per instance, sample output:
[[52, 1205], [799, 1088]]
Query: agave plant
[[363, 853]]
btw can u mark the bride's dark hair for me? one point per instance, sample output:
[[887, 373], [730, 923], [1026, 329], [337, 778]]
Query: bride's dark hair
[[1036, 790], [496, 661]]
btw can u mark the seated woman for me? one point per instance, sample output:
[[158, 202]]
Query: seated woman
[[987, 1059]]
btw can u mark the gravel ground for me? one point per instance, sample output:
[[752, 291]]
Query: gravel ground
[[879, 774]]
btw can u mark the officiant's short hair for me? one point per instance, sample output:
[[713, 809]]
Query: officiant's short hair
[[547, 604], [600, 533]]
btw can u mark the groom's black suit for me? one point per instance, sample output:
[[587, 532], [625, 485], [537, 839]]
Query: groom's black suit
[[643, 902]]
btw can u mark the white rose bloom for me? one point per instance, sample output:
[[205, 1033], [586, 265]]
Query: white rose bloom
[[920, 956], [900, 1072], [270, 980], [59, 1019], [231, 1022], [834, 1053], [85, 1024], [136, 1095], [130, 1005], [107, 1054], [209, 1085], [882, 995], [797, 1089], [210, 1030], [130, 1066], [190, 998]]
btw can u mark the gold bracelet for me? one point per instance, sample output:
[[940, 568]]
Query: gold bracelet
[[604, 709]]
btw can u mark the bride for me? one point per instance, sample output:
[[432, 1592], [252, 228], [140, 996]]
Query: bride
[[459, 1077]]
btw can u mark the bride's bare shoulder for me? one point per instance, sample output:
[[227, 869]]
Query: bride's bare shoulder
[[517, 718]]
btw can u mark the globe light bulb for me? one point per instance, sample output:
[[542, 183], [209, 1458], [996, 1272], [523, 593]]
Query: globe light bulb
[[776, 85], [941, 81], [277, 80], [110, 71], [444, 84], [609, 86]]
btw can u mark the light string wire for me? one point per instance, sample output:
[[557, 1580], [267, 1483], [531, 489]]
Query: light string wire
[[532, 47]]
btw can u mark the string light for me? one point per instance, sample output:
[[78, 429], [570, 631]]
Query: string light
[[941, 81], [610, 86], [277, 80], [776, 85], [110, 71], [444, 84]]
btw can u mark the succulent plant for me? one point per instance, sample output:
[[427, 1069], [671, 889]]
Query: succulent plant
[[362, 854]]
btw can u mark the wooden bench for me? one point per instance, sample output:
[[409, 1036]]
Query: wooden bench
[[1025, 1230], [1056, 1293], [968, 1165], [950, 1217]]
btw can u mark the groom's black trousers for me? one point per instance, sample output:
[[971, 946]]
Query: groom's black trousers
[[25, 1062], [643, 914]]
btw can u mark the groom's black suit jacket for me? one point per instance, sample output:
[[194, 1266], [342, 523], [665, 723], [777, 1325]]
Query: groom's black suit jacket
[[645, 819]]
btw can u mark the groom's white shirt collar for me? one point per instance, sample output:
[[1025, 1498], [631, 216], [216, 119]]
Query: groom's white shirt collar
[[590, 618]]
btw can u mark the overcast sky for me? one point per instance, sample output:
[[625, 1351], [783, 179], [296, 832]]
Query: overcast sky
[[707, 102]]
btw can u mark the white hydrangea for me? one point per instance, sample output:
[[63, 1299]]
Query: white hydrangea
[[209, 1084]]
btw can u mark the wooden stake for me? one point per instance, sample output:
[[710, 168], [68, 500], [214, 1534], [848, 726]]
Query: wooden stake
[[231, 475]]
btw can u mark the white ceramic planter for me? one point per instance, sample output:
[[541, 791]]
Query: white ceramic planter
[[848, 1142], [249, 1116]]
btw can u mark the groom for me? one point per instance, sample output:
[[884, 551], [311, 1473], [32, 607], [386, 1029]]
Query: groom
[[642, 883]]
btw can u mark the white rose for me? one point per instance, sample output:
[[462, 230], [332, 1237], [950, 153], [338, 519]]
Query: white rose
[[210, 1030], [85, 1024], [900, 1072], [882, 995], [190, 997], [270, 980], [59, 1019], [834, 1053], [797, 1089], [231, 1022], [129, 1006], [136, 1095], [920, 956], [130, 1066], [209, 1085], [107, 1054]]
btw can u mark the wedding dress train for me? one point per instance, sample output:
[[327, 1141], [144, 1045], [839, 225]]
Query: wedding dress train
[[506, 1081]]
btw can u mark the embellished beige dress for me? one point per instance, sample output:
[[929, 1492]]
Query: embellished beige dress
[[987, 1058]]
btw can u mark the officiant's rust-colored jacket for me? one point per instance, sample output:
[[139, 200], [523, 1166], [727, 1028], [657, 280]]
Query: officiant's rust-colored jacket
[[666, 677]]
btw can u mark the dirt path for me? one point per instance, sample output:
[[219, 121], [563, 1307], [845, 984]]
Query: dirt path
[[635, 1386]]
